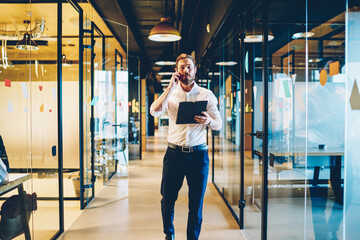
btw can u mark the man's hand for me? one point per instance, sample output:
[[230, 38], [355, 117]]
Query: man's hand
[[174, 81], [206, 119]]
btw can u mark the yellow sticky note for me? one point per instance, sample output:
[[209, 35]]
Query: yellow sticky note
[[334, 68], [323, 77], [42, 108]]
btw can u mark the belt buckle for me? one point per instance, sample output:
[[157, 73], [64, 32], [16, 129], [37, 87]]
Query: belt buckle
[[186, 149]]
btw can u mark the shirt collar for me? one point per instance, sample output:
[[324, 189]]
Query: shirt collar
[[194, 90]]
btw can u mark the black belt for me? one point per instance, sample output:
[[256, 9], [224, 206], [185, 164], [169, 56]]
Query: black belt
[[188, 149]]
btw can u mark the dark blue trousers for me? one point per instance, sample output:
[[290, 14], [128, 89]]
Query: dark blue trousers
[[195, 167]]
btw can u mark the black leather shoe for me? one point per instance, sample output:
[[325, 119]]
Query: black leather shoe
[[170, 237]]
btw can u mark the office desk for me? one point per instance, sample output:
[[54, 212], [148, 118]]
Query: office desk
[[316, 158], [16, 181]]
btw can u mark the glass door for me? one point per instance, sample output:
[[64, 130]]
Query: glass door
[[122, 128], [253, 113], [86, 186]]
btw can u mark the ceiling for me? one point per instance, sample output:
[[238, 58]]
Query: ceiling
[[141, 16]]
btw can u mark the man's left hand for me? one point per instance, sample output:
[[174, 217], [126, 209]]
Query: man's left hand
[[206, 119]]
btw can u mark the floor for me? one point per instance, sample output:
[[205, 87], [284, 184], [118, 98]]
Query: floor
[[128, 208]]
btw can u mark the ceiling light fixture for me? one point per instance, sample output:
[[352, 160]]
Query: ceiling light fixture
[[66, 62], [315, 60], [165, 73], [256, 35], [26, 43], [230, 63], [298, 35], [165, 63], [302, 32], [164, 32], [215, 73]]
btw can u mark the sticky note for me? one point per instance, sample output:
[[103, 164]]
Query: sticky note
[[7, 82], [323, 77], [94, 101], [286, 88], [24, 90], [40, 87], [261, 103], [42, 108], [355, 97], [10, 107], [54, 94], [334, 68]]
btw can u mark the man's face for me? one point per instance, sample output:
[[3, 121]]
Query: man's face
[[187, 70]]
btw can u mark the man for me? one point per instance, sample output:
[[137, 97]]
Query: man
[[186, 155]]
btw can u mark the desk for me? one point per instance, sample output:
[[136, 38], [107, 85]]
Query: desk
[[330, 157], [16, 181]]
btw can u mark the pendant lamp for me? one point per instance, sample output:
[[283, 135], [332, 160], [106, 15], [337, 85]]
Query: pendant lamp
[[164, 32], [26, 43], [256, 34], [66, 62]]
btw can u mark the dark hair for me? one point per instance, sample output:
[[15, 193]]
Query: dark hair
[[183, 56]]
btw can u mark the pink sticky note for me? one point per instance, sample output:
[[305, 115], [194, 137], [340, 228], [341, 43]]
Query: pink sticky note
[[261, 103], [7, 82], [40, 88]]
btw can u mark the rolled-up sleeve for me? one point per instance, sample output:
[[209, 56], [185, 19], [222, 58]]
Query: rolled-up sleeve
[[158, 113], [213, 111]]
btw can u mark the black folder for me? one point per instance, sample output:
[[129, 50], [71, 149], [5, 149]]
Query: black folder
[[188, 110]]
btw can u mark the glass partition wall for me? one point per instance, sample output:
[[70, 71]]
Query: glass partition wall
[[293, 96], [46, 122], [29, 111]]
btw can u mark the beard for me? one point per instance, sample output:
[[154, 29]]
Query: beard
[[186, 79]]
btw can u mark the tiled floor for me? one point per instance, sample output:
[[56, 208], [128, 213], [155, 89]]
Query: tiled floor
[[129, 208]]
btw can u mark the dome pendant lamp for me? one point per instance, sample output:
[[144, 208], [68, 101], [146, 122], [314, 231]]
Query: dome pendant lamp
[[164, 32]]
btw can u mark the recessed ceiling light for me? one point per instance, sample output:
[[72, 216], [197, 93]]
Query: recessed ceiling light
[[165, 63], [335, 43], [216, 73], [230, 63], [315, 60]]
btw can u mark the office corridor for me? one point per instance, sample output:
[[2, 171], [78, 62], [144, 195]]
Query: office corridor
[[128, 208]]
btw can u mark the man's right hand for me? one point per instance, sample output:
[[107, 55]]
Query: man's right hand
[[174, 81]]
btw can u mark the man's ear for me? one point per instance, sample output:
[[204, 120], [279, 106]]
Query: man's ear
[[195, 69]]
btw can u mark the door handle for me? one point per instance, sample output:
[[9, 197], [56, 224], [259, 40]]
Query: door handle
[[258, 134]]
